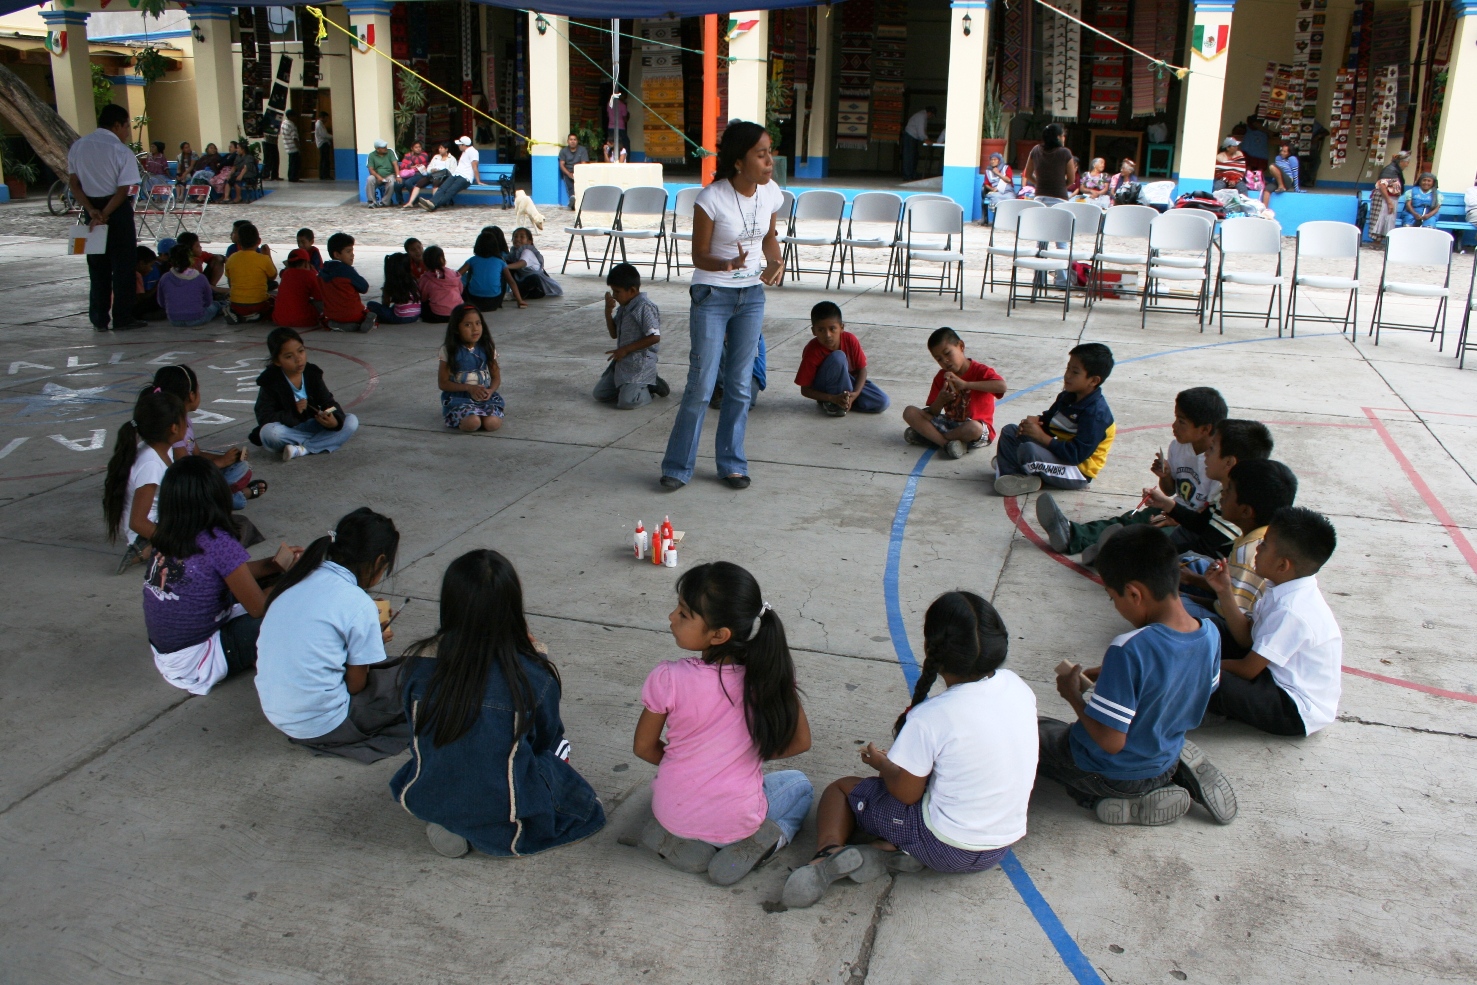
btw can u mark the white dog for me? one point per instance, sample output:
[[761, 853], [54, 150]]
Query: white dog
[[525, 212]]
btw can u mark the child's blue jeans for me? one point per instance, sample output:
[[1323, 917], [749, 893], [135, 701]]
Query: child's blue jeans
[[385, 314], [310, 434], [789, 794], [834, 375], [212, 311], [233, 473]]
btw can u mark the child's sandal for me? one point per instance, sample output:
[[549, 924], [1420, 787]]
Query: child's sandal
[[809, 883], [877, 862], [255, 488]]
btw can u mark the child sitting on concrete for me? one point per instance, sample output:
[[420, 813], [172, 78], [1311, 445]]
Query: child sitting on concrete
[[1068, 445], [1289, 683], [633, 320], [1126, 756], [340, 285], [250, 270], [1182, 480], [1234, 441], [833, 367], [960, 414], [299, 297]]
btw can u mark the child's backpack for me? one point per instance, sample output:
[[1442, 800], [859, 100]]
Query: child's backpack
[[1201, 200], [1127, 194]]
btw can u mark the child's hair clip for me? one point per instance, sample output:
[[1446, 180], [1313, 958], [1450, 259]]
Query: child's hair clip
[[333, 536]]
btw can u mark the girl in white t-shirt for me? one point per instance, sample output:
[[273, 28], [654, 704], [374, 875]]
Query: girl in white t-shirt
[[953, 789], [142, 452], [735, 253]]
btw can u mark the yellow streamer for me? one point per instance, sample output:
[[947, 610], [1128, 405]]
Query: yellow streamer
[[357, 41]]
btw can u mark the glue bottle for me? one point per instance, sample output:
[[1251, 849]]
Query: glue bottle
[[658, 545], [642, 540], [667, 533], [669, 556]]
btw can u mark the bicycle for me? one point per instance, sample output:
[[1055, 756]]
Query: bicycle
[[61, 201]]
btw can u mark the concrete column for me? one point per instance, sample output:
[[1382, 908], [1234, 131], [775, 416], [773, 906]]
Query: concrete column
[[1202, 94], [217, 87], [821, 121], [548, 103], [128, 92], [748, 72], [964, 113], [374, 81], [336, 66], [1456, 139], [71, 71]]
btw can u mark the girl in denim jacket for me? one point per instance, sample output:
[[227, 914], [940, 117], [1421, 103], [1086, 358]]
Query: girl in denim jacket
[[489, 764]]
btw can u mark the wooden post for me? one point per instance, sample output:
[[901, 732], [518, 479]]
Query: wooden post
[[710, 95]]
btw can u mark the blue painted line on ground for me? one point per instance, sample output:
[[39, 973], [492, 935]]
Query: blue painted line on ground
[[1066, 947], [1072, 956]]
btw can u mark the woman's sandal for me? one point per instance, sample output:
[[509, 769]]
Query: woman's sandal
[[809, 883], [255, 488], [877, 862]]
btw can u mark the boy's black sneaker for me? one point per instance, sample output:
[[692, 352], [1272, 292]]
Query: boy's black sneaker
[[660, 388], [1058, 528], [912, 437], [1163, 806], [1207, 785]]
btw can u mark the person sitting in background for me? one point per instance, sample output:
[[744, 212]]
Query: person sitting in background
[[1230, 165], [206, 165], [1096, 184], [464, 174], [185, 166], [1421, 203], [380, 173], [1384, 202], [155, 166], [999, 182], [1284, 169], [431, 176]]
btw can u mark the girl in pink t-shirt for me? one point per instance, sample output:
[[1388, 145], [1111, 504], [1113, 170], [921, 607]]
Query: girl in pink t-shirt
[[725, 712]]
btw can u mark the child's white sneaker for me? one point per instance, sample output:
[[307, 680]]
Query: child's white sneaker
[[956, 449], [445, 842], [1017, 485], [231, 317], [289, 452]]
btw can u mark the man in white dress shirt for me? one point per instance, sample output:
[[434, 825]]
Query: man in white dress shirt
[[463, 176], [915, 135], [102, 170]]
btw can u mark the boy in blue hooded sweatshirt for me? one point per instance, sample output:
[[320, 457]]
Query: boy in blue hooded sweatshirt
[[341, 286], [1068, 445]]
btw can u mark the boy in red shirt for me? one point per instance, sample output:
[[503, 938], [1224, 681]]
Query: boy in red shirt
[[960, 415], [299, 302], [833, 367]]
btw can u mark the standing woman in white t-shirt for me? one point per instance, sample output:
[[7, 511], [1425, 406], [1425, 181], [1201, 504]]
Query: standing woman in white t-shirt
[[952, 792], [735, 252]]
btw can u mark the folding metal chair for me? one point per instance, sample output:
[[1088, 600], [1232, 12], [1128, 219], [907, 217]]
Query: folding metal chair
[[681, 209], [823, 212], [1414, 246], [1462, 345], [871, 213], [1039, 226], [1325, 239], [601, 200], [1006, 214], [923, 224], [1120, 222], [192, 205], [640, 203], [153, 212], [1179, 252], [1249, 236]]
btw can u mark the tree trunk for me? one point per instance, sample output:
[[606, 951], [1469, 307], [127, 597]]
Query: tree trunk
[[49, 135]]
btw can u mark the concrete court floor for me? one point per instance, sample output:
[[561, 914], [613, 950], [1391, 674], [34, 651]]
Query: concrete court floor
[[148, 836]]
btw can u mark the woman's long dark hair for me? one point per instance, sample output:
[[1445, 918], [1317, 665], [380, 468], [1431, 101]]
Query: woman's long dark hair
[[1051, 137], [963, 636], [482, 628], [726, 596], [358, 541], [153, 415], [454, 343], [193, 499], [738, 139]]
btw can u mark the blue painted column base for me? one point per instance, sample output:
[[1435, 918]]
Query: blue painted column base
[[1183, 185], [814, 167], [964, 185], [4, 194], [345, 164], [547, 182], [361, 162]]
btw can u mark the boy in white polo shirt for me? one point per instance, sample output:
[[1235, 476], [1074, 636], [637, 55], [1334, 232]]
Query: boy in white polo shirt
[[1289, 683]]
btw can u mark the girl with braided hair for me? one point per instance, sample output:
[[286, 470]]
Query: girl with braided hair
[[952, 791]]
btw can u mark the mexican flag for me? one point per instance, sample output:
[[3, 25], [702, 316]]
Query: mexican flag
[[1211, 41]]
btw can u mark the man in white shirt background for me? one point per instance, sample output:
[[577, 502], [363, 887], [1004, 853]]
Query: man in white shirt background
[[323, 137], [288, 141], [915, 135], [101, 169], [463, 176]]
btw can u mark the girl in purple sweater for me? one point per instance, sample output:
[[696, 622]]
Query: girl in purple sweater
[[184, 292]]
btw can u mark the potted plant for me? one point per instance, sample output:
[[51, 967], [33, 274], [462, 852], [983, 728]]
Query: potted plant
[[18, 174], [992, 137]]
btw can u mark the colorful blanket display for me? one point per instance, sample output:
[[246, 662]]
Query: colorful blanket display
[[662, 88], [1390, 47], [1437, 39], [1307, 70], [1347, 109], [1166, 27], [520, 75], [890, 53], [1145, 37], [307, 104], [1062, 41], [1017, 88], [1107, 62], [854, 102], [586, 80], [253, 86]]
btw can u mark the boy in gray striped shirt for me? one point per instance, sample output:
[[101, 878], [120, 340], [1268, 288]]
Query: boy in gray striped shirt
[[633, 320]]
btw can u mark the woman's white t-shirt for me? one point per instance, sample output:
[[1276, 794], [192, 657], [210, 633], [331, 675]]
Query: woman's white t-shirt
[[148, 470], [977, 744], [737, 220]]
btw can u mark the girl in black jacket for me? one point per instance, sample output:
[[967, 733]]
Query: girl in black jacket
[[295, 412]]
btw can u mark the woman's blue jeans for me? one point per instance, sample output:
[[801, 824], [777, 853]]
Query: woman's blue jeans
[[719, 315]]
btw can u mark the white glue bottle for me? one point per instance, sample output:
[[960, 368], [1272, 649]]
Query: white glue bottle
[[642, 541], [669, 558]]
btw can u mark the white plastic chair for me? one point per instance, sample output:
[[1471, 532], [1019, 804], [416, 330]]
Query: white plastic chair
[[1049, 225], [821, 212], [1325, 239], [1179, 236], [1006, 214], [924, 223], [1249, 236], [600, 200], [1414, 246], [784, 219], [877, 214], [681, 209], [1120, 222], [648, 203], [1089, 220]]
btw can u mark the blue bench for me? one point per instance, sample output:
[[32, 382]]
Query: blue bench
[[496, 181]]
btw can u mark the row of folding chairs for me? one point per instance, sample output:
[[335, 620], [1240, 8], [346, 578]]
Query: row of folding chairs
[[635, 215], [166, 206]]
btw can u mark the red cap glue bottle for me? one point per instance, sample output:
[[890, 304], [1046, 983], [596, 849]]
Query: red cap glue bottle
[[667, 533], [658, 545], [642, 540]]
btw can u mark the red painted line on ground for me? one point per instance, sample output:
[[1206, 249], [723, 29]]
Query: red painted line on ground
[[1300, 424], [374, 377], [1432, 503], [1013, 510], [1423, 688]]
